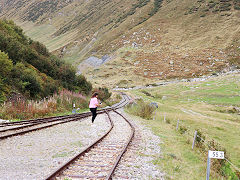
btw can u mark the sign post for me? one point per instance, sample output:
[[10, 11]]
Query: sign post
[[213, 155], [194, 139], [74, 109], [177, 124]]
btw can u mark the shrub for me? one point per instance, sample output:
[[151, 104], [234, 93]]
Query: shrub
[[182, 129], [141, 109], [157, 6], [200, 141], [103, 93], [5, 69], [222, 167], [59, 102], [33, 69], [146, 93]]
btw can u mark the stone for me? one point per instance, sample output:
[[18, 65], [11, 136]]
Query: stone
[[134, 44], [136, 63], [164, 97]]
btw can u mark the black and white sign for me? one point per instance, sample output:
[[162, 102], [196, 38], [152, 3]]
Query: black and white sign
[[216, 154]]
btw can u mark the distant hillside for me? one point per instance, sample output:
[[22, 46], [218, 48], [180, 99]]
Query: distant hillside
[[147, 40], [28, 68]]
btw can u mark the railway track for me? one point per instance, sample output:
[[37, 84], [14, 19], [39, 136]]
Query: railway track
[[99, 160], [22, 127]]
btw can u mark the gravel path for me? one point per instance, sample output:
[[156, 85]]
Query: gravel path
[[137, 162], [37, 154]]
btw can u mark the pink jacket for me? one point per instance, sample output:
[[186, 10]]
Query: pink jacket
[[93, 103]]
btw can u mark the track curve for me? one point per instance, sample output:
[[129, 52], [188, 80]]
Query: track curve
[[11, 129], [100, 159]]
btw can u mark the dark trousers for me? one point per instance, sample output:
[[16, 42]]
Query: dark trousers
[[94, 113]]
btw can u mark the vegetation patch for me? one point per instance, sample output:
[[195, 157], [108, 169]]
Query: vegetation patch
[[157, 6], [214, 6], [201, 106], [58, 103], [132, 11], [28, 68], [142, 109]]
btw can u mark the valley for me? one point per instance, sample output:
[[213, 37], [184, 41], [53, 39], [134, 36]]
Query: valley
[[149, 40], [183, 55]]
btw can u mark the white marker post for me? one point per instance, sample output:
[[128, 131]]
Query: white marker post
[[74, 110], [194, 139], [177, 124], [155, 114], [213, 155]]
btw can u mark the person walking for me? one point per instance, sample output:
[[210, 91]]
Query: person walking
[[93, 106]]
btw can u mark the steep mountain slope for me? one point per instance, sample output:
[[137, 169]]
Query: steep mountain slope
[[27, 67], [147, 40]]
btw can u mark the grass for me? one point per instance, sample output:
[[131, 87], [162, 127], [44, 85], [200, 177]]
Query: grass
[[44, 34], [77, 144], [178, 160], [198, 105], [63, 154], [174, 33], [59, 104]]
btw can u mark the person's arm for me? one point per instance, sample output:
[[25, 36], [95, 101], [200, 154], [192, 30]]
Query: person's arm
[[97, 103]]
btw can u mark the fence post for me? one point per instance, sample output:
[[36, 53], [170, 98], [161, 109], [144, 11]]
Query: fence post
[[208, 167], [194, 139], [164, 117], [154, 117], [177, 124]]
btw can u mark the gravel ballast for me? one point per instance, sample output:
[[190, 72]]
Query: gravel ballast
[[35, 155], [137, 162]]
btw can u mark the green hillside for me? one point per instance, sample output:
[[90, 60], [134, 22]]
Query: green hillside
[[147, 40], [28, 68]]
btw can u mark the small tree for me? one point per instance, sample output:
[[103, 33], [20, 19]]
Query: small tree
[[5, 68], [6, 65]]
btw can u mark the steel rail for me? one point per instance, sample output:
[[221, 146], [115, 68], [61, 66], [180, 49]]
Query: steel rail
[[63, 167], [50, 118], [39, 128], [124, 149], [59, 171], [32, 120], [63, 119]]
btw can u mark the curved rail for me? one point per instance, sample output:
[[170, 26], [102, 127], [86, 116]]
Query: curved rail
[[62, 168], [25, 126], [125, 148], [95, 145]]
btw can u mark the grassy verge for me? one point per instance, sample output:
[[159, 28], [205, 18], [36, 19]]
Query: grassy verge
[[201, 105], [178, 161], [59, 104]]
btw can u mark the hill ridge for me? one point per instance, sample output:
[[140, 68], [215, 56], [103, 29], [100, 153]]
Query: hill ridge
[[177, 28]]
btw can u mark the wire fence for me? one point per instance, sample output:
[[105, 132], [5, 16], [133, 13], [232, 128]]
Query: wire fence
[[193, 136], [234, 166]]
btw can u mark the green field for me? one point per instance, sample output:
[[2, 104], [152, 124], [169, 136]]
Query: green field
[[209, 106]]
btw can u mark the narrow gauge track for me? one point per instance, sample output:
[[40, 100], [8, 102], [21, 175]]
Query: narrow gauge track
[[23, 127], [100, 159]]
